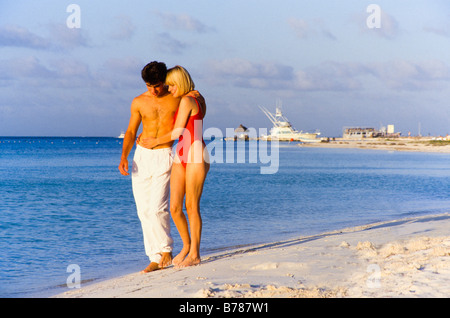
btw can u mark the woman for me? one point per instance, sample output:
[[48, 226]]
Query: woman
[[191, 163]]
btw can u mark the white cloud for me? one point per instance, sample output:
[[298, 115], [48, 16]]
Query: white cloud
[[402, 74], [168, 44], [304, 29], [61, 37], [182, 22], [119, 73], [17, 69], [16, 36], [441, 31], [326, 76], [66, 38], [389, 27], [124, 28], [300, 27], [331, 75], [241, 72]]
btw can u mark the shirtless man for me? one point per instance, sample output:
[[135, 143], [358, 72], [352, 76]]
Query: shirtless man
[[155, 109]]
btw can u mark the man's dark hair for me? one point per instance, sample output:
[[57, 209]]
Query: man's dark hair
[[154, 73]]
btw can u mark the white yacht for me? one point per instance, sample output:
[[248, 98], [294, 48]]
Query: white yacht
[[122, 135], [282, 129]]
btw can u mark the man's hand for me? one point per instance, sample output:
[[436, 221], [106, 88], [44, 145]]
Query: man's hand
[[196, 94], [123, 167]]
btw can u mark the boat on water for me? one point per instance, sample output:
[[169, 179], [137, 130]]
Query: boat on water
[[122, 135], [282, 129]]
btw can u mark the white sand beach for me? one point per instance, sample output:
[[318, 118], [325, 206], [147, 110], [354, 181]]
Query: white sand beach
[[402, 258], [413, 144]]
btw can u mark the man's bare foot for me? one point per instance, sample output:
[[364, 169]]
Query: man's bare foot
[[166, 260], [189, 261], [180, 257], [151, 268]]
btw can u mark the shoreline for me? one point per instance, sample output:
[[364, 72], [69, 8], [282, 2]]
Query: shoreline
[[399, 258], [410, 144]]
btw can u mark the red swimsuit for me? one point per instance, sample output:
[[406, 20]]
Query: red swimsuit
[[192, 132]]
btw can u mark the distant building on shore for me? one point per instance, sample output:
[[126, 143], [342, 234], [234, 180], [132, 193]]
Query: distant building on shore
[[389, 132], [241, 132], [358, 133], [362, 133]]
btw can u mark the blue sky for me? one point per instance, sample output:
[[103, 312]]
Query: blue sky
[[320, 58]]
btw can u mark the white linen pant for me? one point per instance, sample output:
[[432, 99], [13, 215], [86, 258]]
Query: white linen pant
[[151, 184]]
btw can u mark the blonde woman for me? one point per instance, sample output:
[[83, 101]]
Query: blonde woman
[[191, 163]]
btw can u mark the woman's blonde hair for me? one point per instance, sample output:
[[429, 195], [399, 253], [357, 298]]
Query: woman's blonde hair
[[180, 77]]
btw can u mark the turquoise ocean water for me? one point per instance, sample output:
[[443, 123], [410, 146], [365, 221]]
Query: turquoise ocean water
[[63, 202]]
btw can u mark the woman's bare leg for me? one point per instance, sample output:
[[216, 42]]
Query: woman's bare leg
[[177, 192], [195, 179]]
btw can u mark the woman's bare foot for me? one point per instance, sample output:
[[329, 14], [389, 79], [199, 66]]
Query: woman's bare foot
[[190, 261], [180, 257], [166, 260]]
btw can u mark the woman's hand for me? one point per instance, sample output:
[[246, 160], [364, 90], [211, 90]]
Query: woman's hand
[[148, 143]]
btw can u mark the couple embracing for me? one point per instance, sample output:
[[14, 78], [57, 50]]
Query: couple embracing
[[169, 110]]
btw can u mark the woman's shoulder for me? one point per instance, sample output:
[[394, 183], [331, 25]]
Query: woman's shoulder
[[188, 102], [188, 99]]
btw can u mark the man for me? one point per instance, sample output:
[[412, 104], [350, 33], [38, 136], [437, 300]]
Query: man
[[155, 109]]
